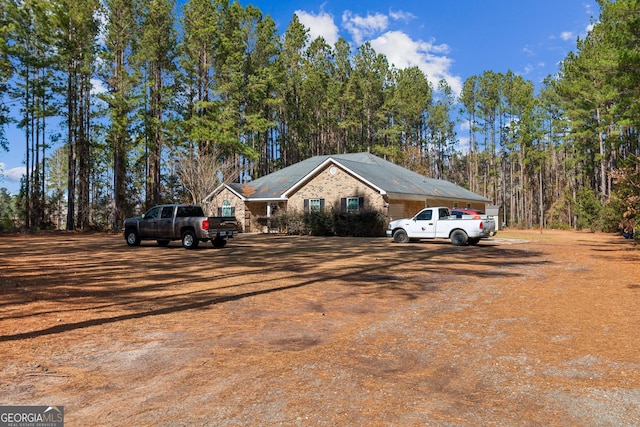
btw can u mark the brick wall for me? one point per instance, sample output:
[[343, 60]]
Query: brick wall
[[332, 184]]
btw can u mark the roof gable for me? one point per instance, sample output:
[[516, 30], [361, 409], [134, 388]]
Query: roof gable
[[323, 166]]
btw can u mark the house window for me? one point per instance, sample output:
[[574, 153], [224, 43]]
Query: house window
[[352, 204], [313, 205], [226, 209]]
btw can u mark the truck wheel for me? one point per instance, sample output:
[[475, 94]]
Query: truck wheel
[[218, 242], [163, 242], [400, 236], [132, 238], [189, 240], [459, 238]]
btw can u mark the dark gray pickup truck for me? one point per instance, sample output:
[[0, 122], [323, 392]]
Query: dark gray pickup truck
[[188, 223]]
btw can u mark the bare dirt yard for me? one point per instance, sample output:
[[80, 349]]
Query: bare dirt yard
[[530, 328]]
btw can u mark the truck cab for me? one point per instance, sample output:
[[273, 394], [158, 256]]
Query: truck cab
[[424, 225]]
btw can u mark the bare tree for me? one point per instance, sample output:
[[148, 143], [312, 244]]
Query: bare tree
[[202, 173]]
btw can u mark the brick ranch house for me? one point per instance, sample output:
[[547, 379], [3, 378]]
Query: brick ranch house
[[338, 181]]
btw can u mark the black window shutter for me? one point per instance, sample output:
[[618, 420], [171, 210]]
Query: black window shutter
[[306, 205], [343, 204], [219, 211], [322, 204], [360, 202]]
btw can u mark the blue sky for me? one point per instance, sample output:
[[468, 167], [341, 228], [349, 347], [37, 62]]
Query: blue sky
[[446, 39]]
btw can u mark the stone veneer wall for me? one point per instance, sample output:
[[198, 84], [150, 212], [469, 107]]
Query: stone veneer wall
[[332, 184]]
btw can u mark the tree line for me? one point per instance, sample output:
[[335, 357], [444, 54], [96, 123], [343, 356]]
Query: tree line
[[124, 104]]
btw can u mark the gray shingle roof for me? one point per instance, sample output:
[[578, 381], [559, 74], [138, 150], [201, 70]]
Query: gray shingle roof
[[384, 175]]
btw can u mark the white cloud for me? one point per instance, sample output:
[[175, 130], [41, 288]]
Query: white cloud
[[404, 52], [400, 15], [13, 174], [363, 27], [527, 69], [464, 142], [400, 49], [320, 25], [97, 87], [588, 10], [567, 35]]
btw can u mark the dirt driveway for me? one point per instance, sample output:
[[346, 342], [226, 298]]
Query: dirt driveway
[[528, 329]]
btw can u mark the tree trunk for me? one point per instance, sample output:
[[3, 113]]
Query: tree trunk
[[71, 142]]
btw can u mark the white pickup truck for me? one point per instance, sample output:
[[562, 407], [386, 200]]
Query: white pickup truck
[[437, 223]]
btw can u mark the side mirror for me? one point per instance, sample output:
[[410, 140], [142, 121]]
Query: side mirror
[[142, 216]]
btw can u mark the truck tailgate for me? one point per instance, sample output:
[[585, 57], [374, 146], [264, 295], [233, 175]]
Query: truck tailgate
[[223, 224]]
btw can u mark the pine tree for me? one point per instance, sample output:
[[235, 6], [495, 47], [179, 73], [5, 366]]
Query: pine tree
[[5, 69], [292, 120], [31, 60], [117, 72], [77, 28], [156, 56]]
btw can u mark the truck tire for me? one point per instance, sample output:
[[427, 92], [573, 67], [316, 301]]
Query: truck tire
[[218, 242], [189, 240], [132, 238], [459, 238], [400, 236]]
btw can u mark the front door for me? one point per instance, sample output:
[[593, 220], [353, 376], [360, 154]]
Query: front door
[[148, 223]]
